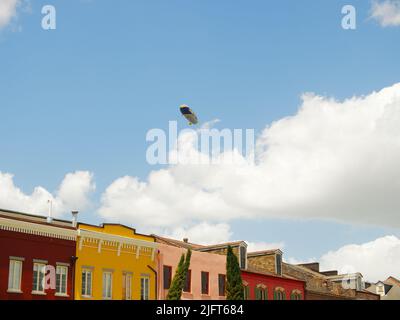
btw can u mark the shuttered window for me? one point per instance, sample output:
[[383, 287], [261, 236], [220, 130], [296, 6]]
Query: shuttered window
[[221, 284], [261, 293], [205, 282], [167, 273], [188, 282], [246, 293]]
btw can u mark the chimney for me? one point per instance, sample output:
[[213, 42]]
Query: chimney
[[74, 218], [50, 214], [185, 240]]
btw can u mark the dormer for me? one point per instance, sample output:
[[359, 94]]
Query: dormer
[[268, 260]]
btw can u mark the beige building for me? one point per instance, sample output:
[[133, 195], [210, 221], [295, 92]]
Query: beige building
[[329, 285], [388, 289]]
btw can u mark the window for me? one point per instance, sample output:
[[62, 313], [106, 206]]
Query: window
[[107, 285], [243, 257], [204, 282], [296, 295], [87, 275], [261, 292], [221, 284], [61, 280], [246, 292], [127, 286], [279, 294], [167, 274], [188, 282], [144, 288], [278, 262], [39, 271], [15, 275]]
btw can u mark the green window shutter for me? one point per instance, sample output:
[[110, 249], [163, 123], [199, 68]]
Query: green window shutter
[[265, 294], [274, 295], [284, 295], [256, 293]]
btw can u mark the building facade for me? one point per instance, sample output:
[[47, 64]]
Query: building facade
[[387, 290], [115, 263], [205, 279], [37, 257], [328, 285], [262, 286]]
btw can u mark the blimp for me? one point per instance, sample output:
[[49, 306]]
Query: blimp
[[189, 114]]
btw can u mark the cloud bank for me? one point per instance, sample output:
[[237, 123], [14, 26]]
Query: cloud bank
[[73, 193], [8, 10], [376, 260], [387, 12], [335, 160]]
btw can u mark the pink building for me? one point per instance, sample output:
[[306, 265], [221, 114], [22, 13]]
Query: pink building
[[206, 278]]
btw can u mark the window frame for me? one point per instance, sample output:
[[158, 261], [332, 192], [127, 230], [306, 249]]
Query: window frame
[[36, 284], [207, 283], [278, 264], [85, 289], [188, 282], [127, 287], [279, 292], [13, 261], [170, 277], [261, 292], [246, 292], [220, 276], [242, 257], [107, 286], [144, 289], [296, 295], [61, 293]]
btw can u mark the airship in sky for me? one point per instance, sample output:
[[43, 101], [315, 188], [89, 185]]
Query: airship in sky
[[189, 114]]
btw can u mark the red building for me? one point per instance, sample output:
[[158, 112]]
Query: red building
[[264, 286], [33, 248]]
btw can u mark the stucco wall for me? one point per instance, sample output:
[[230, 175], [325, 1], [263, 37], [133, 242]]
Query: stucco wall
[[32, 247], [215, 264], [271, 282]]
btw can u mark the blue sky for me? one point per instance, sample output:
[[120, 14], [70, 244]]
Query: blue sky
[[83, 96]]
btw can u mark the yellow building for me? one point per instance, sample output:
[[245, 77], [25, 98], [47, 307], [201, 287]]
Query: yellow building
[[114, 263]]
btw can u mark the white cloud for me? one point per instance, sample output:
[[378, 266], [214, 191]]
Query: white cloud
[[387, 12], [333, 160], [72, 194], [202, 233], [75, 189], [8, 11], [292, 260], [206, 234], [376, 260], [261, 246]]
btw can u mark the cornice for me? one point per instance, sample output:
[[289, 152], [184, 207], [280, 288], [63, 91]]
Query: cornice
[[37, 229]]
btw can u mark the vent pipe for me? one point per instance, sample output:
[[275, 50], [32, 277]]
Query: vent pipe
[[74, 218], [50, 214]]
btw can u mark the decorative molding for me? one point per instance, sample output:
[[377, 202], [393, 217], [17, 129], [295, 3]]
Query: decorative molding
[[37, 229], [40, 261], [17, 258], [62, 264], [121, 243]]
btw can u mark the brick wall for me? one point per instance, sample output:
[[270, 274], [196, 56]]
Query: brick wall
[[265, 263]]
